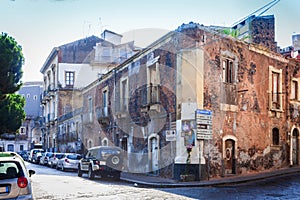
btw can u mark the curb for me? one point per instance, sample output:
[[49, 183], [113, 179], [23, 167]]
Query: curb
[[220, 182]]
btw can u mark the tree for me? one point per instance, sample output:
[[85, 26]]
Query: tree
[[11, 113], [11, 61], [11, 105]]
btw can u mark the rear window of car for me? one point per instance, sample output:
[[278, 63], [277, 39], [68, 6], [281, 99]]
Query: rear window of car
[[10, 170], [59, 156], [105, 153], [48, 154], [74, 157]]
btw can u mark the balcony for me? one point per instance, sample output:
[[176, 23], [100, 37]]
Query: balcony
[[50, 118], [67, 137], [51, 89], [150, 95], [102, 114], [48, 93]]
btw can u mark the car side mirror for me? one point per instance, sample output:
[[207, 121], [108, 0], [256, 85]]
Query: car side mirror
[[31, 172]]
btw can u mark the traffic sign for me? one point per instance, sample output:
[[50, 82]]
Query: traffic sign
[[204, 124]]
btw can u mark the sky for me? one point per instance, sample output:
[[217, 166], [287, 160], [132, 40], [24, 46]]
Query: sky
[[40, 25]]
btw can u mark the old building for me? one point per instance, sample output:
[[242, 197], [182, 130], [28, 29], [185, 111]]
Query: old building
[[195, 101], [235, 103], [68, 69]]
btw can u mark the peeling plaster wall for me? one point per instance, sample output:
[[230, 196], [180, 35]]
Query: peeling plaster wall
[[249, 118]]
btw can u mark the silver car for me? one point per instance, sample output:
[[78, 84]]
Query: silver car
[[54, 158], [68, 161], [15, 180], [45, 158]]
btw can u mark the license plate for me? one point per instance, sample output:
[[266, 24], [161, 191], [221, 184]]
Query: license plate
[[102, 162], [4, 189]]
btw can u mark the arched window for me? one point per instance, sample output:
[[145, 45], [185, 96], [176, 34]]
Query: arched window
[[275, 136]]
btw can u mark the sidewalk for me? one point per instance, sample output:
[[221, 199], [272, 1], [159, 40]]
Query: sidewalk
[[157, 182]]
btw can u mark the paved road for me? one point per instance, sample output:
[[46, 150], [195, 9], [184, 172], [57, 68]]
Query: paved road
[[52, 184], [285, 187]]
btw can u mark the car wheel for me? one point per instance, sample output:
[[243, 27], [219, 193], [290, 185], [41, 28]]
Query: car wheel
[[91, 174], [115, 162], [79, 172], [116, 176]]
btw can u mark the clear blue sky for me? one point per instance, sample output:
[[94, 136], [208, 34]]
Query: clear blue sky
[[40, 25]]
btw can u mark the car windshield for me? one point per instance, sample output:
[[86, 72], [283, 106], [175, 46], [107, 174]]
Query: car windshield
[[10, 170], [74, 157]]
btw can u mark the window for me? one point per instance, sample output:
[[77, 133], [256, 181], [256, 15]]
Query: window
[[69, 78], [275, 89], [90, 107], [22, 131], [104, 98], [275, 136], [21, 147], [28, 96], [124, 95], [294, 90], [228, 71], [35, 97], [10, 147]]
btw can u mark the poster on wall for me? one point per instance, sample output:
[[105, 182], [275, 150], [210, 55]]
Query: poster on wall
[[188, 132]]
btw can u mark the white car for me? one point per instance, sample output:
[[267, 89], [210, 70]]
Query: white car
[[15, 180], [68, 161], [33, 155]]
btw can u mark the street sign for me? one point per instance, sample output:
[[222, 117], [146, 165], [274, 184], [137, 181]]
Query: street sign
[[204, 124], [170, 135]]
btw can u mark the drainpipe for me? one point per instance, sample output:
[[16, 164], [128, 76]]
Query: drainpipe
[[114, 122], [291, 149]]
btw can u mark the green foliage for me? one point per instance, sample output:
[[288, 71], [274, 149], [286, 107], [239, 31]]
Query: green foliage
[[11, 113], [11, 61], [11, 105], [231, 32]]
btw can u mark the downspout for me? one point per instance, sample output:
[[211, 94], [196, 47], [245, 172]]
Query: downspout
[[290, 133], [114, 120]]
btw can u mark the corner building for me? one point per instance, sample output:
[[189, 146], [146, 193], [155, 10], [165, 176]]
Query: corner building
[[147, 105]]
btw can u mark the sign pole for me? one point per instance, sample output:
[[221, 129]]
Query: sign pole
[[204, 132]]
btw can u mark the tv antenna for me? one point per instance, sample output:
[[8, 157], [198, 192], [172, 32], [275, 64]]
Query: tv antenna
[[259, 11]]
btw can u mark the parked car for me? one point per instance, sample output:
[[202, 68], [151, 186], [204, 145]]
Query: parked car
[[68, 161], [32, 156], [24, 154], [37, 157], [102, 161], [54, 158], [45, 158], [15, 180]]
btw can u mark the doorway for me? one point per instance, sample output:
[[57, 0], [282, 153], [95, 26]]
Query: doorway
[[295, 147], [153, 155], [229, 156]]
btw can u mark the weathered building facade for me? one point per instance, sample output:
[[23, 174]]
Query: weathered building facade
[[233, 103], [67, 70], [250, 91]]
